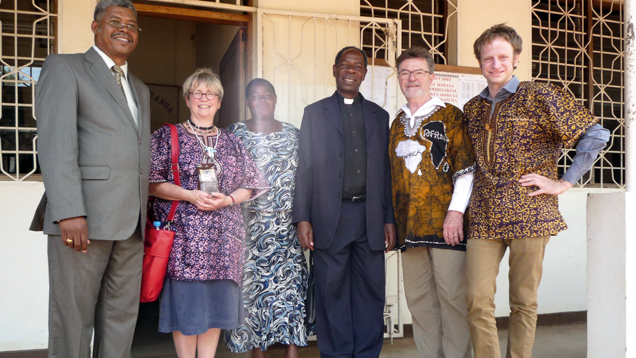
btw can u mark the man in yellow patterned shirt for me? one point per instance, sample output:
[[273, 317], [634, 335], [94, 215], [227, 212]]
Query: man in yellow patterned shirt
[[432, 162], [518, 130]]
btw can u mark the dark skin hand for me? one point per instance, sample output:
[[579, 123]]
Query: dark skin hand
[[75, 229], [389, 237], [306, 236]]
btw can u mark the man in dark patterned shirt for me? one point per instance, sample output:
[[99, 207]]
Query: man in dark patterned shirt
[[432, 164], [518, 130]]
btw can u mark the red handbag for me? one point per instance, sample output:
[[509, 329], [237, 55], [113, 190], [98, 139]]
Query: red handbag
[[158, 241]]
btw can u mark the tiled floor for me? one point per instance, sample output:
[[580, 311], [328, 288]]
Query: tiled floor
[[566, 341]]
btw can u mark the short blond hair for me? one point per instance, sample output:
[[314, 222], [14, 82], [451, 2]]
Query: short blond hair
[[203, 76]]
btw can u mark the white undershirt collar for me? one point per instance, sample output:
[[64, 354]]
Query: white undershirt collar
[[126, 85], [425, 109]]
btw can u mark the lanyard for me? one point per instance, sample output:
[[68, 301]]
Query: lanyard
[[209, 151]]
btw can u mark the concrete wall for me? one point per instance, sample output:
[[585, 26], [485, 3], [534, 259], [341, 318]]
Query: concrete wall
[[610, 268], [475, 16], [75, 36], [23, 264]]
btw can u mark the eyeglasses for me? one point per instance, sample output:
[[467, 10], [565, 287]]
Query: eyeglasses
[[119, 25], [406, 74], [209, 95]]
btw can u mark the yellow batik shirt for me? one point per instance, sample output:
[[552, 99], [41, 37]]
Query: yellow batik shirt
[[525, 135], [425, 160]]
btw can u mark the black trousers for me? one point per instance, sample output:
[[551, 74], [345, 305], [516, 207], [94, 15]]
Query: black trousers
[[349, 287]]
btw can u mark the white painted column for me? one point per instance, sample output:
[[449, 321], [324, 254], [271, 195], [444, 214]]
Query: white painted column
[[630, 175], [611, 264], [630, 95], [606, 275]]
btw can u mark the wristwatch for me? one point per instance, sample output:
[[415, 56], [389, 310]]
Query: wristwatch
[[233, 201]]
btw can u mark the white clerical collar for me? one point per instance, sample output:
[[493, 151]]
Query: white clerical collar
[[110, 63], [425, 109], [348, 100]]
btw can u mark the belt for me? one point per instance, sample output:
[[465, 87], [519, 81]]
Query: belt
[[356, 199]]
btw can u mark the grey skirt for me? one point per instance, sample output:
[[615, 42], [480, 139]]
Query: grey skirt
[[193, 308]]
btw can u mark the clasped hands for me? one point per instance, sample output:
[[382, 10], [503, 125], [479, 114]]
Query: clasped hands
[[209, 201]]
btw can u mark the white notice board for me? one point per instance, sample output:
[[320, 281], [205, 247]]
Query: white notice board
[[457, 88]]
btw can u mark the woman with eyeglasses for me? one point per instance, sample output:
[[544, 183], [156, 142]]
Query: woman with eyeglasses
[[203, 292], [275, 274]]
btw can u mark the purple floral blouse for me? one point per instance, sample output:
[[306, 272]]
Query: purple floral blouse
[[208, 245]]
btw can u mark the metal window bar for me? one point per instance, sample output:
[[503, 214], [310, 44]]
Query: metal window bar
[[320, 36], [579, 45], [28, 36], [424, 23]]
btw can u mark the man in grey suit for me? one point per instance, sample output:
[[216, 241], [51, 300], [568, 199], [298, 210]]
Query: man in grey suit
[[93, 122]]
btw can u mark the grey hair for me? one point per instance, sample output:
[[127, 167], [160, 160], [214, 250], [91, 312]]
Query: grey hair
[[417, 52], [103, 5], [203, 76]]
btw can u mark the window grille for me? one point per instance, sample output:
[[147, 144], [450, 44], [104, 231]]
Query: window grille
[[28, 36], [579, 45], [424, 23]]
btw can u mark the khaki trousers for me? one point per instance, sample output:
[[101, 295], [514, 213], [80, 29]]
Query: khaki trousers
[[435, 288], [482, 266]]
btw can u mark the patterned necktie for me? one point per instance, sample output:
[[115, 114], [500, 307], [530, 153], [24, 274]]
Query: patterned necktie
[[118, 74]]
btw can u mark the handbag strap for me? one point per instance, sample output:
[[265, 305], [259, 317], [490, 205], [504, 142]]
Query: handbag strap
[[174, 153]]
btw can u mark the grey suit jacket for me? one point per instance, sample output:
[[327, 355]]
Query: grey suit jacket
[[94, 159]]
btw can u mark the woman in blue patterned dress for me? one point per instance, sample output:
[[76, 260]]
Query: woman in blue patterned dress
[[275, 272]]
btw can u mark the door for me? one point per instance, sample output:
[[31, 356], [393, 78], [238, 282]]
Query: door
[[232, 73]]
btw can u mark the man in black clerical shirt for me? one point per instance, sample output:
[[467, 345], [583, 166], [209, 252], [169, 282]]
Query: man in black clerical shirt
[[344, 212], [355, 147]]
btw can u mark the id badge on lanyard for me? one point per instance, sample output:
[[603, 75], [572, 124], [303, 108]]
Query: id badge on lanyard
[[208, 180], [210, 169]]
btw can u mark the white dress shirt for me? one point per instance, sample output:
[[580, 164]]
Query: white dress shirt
[[132, 104]]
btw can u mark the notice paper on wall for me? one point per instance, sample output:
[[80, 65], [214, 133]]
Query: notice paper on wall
[[381, 87], [457, 88]]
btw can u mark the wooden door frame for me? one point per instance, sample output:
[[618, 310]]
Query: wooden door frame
[[181, 13], [214, 17]]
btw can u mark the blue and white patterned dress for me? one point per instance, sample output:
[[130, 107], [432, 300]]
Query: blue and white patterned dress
[[275, 273]]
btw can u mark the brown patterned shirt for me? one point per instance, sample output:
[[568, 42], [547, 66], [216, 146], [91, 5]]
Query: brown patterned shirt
[[425, 161], [524, 135]]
